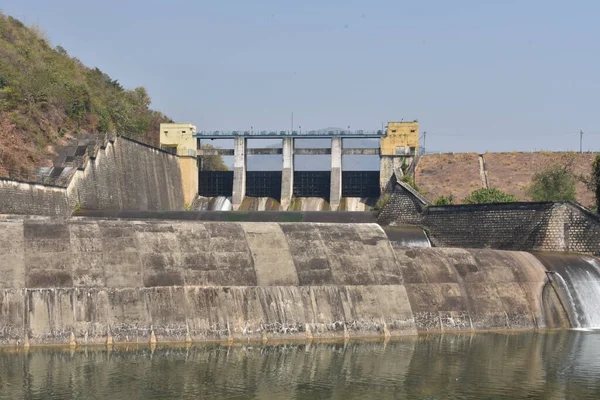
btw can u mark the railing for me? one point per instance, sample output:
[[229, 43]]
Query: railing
[[271, 134]]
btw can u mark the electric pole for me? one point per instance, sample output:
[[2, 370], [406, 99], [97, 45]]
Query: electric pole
[[424, 140], [581, 141]]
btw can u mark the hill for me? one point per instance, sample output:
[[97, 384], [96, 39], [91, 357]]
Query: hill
[[48, 97], [459, 174]]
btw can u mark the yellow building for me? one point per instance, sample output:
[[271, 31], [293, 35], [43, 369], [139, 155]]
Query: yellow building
[[402, 138], [178, 139]]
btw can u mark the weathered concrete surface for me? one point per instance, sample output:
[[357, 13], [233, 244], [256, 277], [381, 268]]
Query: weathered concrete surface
[[34, 199], [287, 173], [91, 280], [458, 289], [239, 172], [189, 178], [336, 174], [127, 175], [122, 174]]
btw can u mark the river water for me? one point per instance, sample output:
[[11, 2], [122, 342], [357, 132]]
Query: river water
[[563, 365]]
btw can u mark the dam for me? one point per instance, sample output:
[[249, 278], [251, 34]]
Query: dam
[[87, 280]]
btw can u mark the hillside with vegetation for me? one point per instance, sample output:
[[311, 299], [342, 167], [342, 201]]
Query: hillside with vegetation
[[440, 176], [48, 97]]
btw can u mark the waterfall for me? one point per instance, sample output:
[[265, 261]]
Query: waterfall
[[407, 236], [580, 276], [221, 203]]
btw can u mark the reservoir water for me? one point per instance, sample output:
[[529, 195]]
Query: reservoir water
[[561, 365]]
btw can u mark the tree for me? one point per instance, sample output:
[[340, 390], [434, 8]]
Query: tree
[[482, 196], [555, 183], [444, 200], [212, 163], [596, 180]]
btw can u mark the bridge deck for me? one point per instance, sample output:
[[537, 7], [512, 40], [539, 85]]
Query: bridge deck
[[284, 134], [367, 151]]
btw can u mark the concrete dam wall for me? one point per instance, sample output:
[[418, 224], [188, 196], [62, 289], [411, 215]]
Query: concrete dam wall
[[96, 280], [121, 174]]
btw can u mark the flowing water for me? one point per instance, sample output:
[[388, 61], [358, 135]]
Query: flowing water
[[407, 236], [580, 276], [563, 365], [219, 203]]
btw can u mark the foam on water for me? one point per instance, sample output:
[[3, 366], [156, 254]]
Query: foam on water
[[580, 276]]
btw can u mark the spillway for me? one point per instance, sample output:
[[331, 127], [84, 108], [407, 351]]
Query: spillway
[[407, 236], [579, 277], [219, 203]]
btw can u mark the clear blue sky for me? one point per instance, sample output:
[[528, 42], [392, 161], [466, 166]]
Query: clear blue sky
[[478, 75]]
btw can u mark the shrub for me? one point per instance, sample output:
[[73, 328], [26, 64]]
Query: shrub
[[482, 196], [444, 200], [382, 202], [555, 183], [596, 180]]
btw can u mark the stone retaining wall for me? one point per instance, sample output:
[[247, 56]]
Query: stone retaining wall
[[508, 226]]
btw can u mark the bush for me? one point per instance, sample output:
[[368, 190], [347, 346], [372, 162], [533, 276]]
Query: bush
[[596, 180], [555, 183], [482, 196], [382, 202], [444, 200], [410, 181]]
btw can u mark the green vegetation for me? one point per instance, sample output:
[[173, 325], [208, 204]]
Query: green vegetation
[[444, 200], [212, 163], [45, 95], [410, 181], [555, 183], [382, 202], [595, 181], [481, 196]]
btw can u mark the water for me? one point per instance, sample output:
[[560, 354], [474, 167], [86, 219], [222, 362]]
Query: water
[[563, 365], [219, 203], [581, 278], [407, 236]]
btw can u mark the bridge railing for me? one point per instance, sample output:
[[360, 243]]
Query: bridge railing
[[270, 134]]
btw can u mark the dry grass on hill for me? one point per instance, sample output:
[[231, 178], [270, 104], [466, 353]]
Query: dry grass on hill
[[513, 172], [443, 174], [458, 174]]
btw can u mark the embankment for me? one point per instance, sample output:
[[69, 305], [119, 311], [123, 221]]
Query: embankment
[[120, 174], [92, 280], [458, 174]]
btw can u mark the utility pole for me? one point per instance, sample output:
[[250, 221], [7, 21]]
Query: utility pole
[[581, 141], [292, 131], [424, 141]]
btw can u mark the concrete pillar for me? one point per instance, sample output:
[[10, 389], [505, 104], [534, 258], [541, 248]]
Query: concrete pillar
[[335, 195], [287, 173], [239, 172], [388, 166], [189, 176]]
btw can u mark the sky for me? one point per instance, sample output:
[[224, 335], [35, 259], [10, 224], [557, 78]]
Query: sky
[[478, 75]]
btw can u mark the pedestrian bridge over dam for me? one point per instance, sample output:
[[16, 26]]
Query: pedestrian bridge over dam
[[332, 184]]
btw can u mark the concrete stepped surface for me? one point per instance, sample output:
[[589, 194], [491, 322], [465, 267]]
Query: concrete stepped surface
[[69, 158], [99, 172], [86, 281]]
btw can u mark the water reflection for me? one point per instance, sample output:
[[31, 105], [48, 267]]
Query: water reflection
[[529, 365]]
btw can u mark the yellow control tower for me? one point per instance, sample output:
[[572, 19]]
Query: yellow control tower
[[401, 139], [178, 139]]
